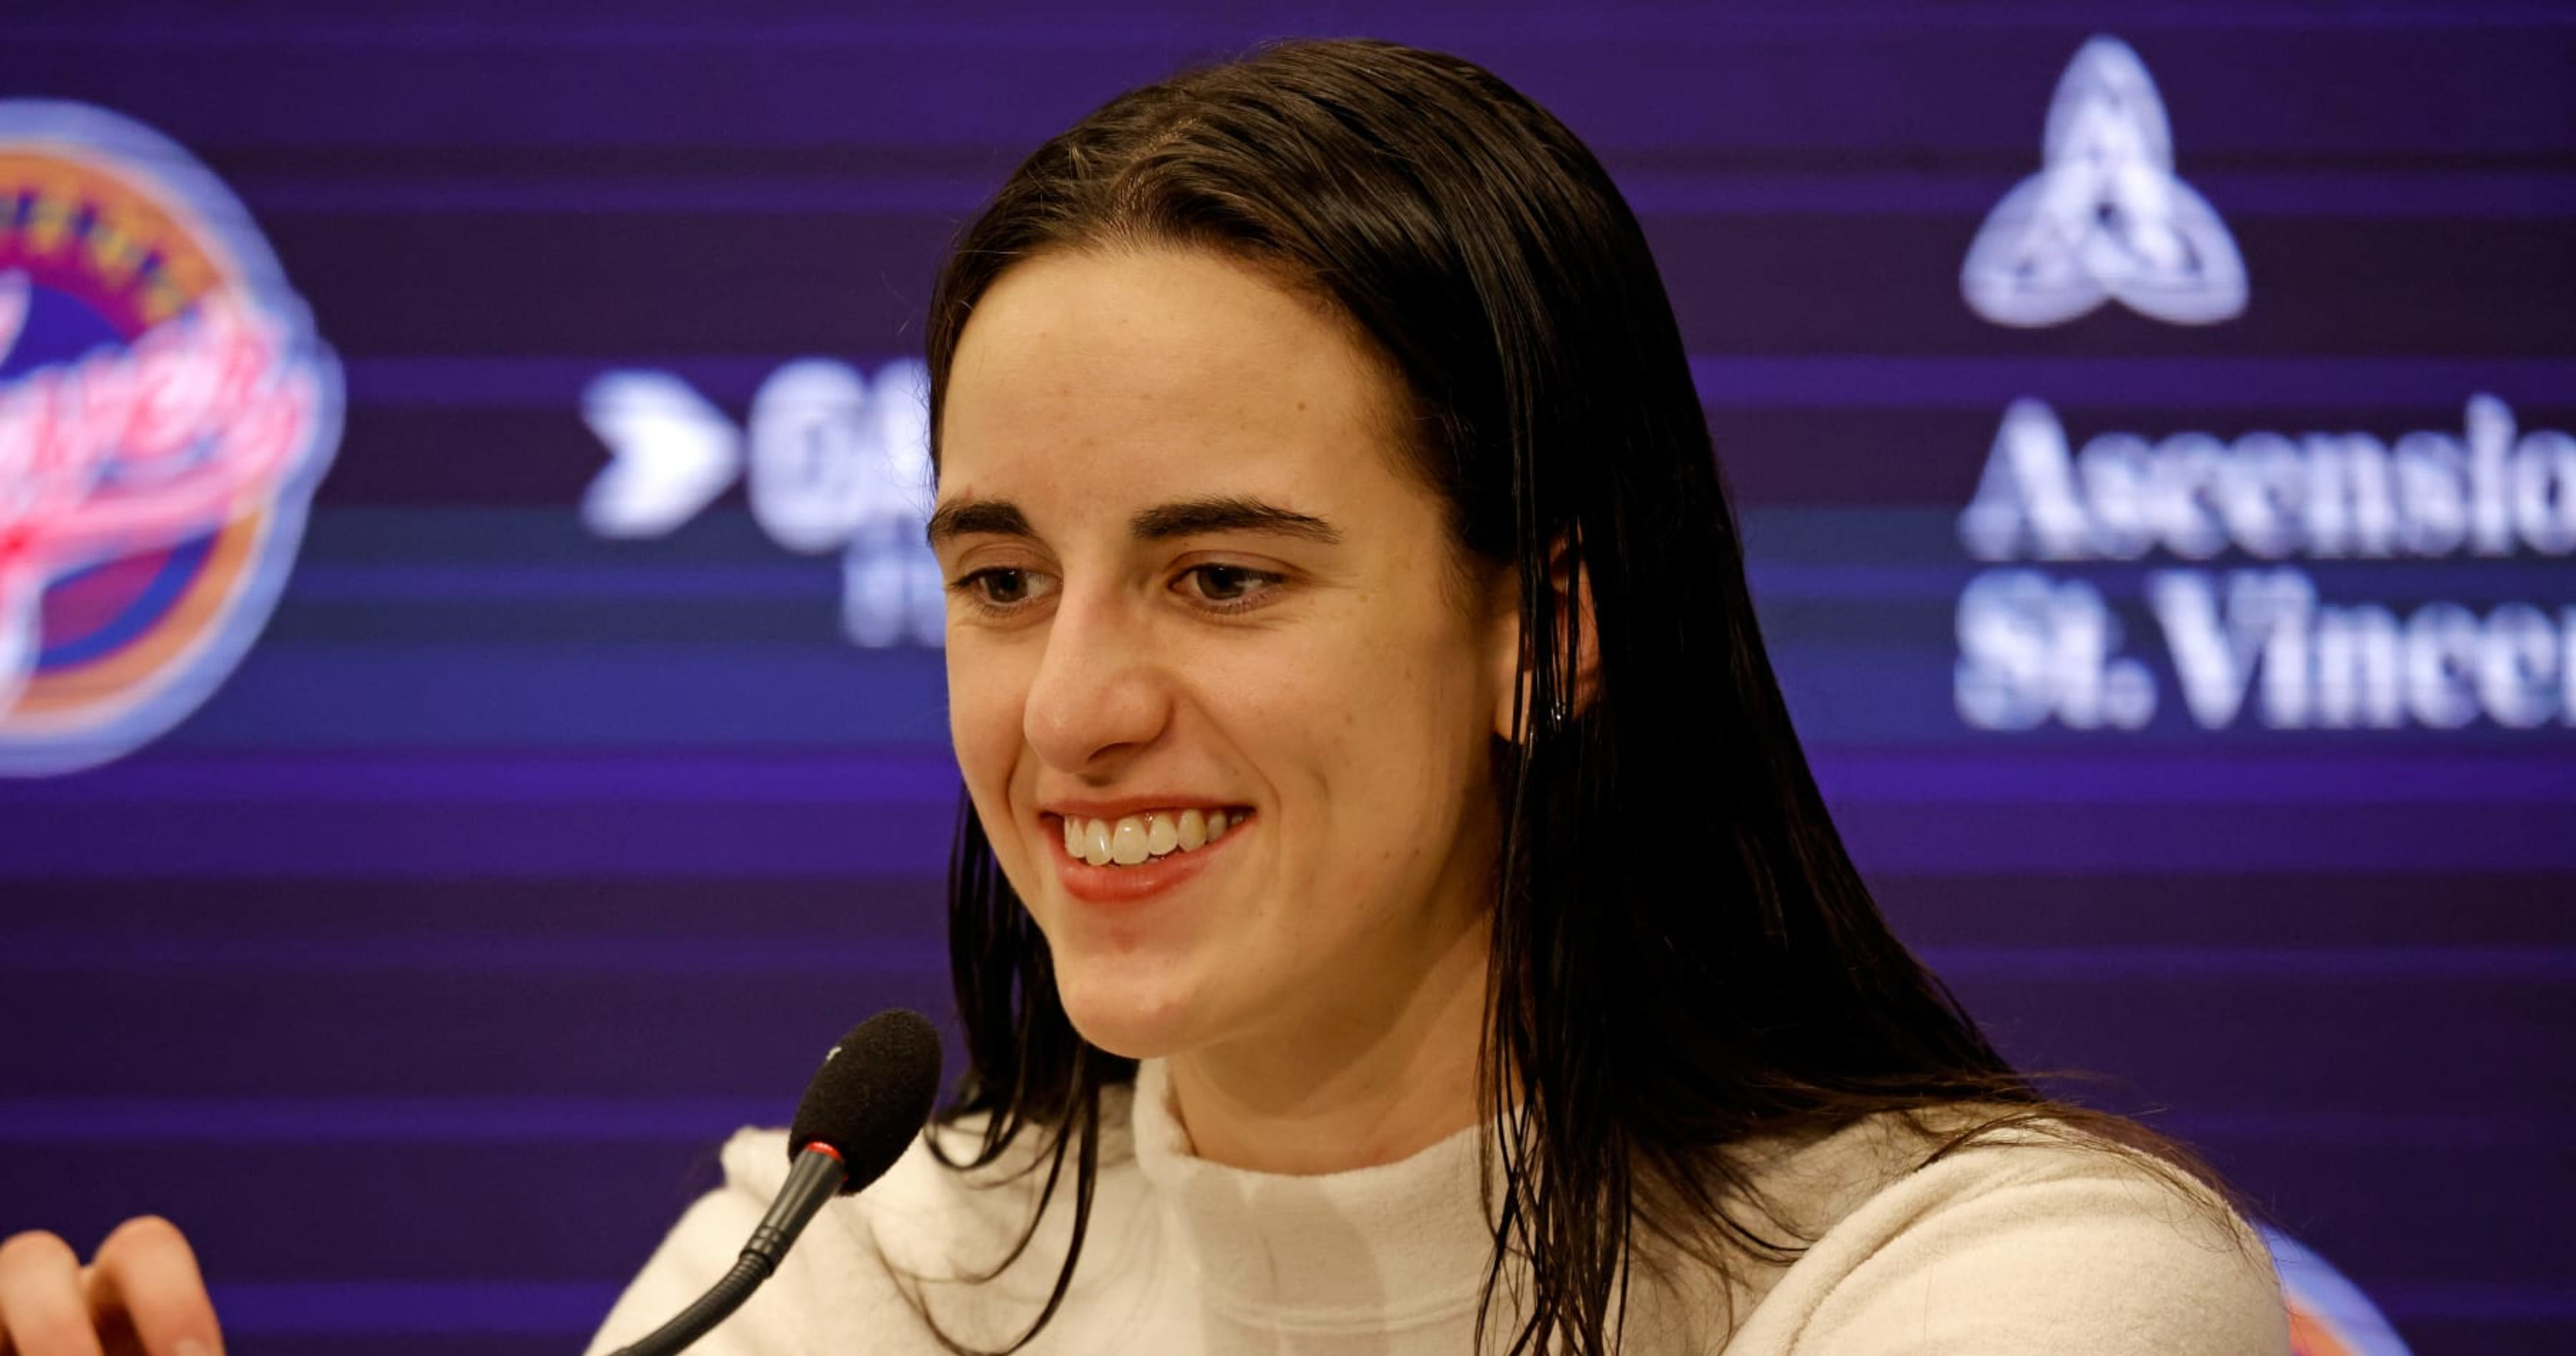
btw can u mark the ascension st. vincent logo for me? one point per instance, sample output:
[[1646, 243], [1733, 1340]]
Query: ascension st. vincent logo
[[166, 412]]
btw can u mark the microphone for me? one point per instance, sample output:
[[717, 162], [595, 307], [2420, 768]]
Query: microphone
[[872, 1095]]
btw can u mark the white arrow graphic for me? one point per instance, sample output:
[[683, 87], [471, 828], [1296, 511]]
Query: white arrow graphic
[[671, 453]]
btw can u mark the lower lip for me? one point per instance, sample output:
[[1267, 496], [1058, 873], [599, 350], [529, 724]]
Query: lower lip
[[1134, 884]]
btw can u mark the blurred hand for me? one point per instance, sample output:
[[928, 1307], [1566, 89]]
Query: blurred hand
[[141, 1296]]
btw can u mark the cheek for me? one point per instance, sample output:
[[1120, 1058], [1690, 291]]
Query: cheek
[[986, 701], [1395, 726]]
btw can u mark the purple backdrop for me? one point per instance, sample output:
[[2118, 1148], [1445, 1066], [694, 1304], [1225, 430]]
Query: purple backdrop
[[552, 825]]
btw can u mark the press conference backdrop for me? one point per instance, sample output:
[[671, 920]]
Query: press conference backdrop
[[470, 716]]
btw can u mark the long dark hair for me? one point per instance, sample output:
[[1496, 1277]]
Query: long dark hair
[[1684, 954]]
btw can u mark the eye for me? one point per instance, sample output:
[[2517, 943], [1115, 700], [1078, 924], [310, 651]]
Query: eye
[[1228, 585], [999, 588]]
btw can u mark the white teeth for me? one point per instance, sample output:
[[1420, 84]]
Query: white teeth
[[1134, 839]]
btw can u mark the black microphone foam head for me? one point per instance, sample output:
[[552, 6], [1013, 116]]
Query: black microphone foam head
[[872, 1095]]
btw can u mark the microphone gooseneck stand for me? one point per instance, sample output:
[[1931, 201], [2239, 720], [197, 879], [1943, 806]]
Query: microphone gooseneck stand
[[865, 1105]]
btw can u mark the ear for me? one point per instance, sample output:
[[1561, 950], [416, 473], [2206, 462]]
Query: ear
[[1573, 608]]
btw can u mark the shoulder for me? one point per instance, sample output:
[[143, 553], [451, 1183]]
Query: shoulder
[[868, 1264], [2034, 1239]]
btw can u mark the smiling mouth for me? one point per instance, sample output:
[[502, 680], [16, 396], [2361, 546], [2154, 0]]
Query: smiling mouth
[[1134, 840]]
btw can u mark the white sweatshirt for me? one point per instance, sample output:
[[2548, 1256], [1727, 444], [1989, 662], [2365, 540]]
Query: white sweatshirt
[[2028, 1246]]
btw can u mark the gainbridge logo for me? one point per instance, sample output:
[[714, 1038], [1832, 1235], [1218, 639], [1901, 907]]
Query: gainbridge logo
[[833, 462], [166, 412]]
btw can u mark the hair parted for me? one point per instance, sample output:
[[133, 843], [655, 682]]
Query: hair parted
[[1684, 955]]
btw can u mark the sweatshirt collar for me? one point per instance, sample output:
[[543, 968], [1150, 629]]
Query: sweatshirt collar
[[1383, 1246]]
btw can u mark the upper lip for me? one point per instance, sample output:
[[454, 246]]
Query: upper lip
[[1128, 805]]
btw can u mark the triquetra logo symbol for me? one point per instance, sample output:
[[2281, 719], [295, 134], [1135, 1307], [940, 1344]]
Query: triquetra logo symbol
[[2105, 217]]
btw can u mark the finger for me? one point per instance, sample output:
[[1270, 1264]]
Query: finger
[[146, 1272], [42, 1312]]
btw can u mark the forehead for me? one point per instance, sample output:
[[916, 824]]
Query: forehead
[[1179, 364]]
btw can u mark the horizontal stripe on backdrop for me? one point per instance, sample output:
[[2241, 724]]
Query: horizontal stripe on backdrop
[[1127, 25], [2338, 964], [282, 1308], [462, 1120], [1842, 381], [927, 778], [64, 952], [59, 951], [1934, 580], [751, 842], [2441, 195], [390, 1120]]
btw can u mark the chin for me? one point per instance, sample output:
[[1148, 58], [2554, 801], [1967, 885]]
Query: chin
[[1126, 1021]]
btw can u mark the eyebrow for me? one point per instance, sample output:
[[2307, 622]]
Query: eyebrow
[[1162, 522], [1194, 517], [977, 517]]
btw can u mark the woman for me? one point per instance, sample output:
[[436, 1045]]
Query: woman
[[1392, 912], [1318, 458]]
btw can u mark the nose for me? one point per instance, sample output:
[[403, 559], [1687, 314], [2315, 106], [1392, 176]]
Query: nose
[[1097, 694]]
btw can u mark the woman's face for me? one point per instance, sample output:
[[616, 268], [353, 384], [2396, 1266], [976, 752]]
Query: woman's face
[[1191, 577]]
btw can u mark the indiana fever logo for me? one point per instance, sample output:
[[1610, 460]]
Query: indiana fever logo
[[165, 414], [2329, 1316]]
